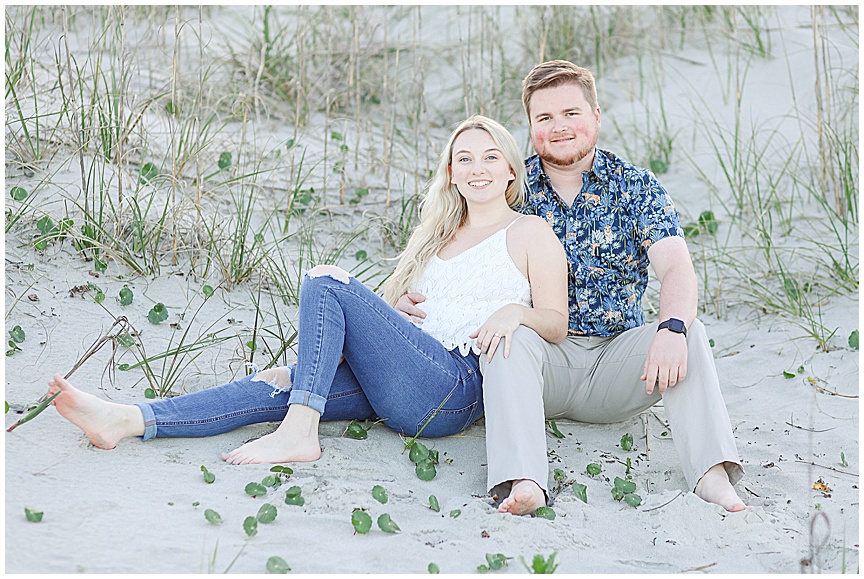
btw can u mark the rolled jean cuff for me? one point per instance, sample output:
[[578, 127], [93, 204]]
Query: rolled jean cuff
[[149, 421], [306, 398]]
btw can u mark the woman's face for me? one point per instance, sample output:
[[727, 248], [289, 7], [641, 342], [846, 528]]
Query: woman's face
[[478, 168]]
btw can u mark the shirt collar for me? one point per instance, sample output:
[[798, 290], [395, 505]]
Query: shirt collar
[[601, 167]]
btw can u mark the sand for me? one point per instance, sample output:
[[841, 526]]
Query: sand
[[140, 507]]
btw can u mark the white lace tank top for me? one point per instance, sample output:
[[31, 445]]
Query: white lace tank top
[[463, 291]]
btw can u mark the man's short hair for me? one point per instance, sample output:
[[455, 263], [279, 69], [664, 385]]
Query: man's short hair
[[554, 73]]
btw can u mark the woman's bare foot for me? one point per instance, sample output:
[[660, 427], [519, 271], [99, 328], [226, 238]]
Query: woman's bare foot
[[526, 496], [714, 487], [104, 423], [296, 440]]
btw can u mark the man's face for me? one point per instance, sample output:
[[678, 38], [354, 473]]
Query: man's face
[[564, 127]]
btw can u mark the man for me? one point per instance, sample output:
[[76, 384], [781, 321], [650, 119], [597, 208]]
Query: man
[[614, 219]]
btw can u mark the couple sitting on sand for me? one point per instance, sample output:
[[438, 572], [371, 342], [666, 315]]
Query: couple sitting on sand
[[483, 313]]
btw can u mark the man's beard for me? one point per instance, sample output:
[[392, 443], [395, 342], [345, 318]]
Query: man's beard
[[547, 157]]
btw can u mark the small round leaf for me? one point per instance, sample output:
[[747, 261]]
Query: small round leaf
[[433, 569], [633, 499], [418, 452], [581, 492], [209, 477], [361, 521], [148, 172], [250, 525], [425, 470], [379, 494], [277, 565], [272, 481], [17, 334], [212, 517], [33, 516], [126, 296], [224, 160], [293, 497], [18, 193], [388, 525], [627, 442], [267, 513], [545, 513], [157, 314], [356, 431], [433, 503], [253, 489]]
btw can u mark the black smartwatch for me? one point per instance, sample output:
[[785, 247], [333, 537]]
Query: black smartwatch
[[673, 325]]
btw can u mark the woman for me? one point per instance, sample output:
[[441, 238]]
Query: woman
[[479, 264]]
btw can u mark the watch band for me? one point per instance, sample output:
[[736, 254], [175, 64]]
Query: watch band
[[673, 325]]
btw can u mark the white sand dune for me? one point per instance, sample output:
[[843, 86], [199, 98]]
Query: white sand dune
[[140, 507]]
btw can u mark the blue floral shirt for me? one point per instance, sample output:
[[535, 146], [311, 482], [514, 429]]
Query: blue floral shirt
[[621, 210]]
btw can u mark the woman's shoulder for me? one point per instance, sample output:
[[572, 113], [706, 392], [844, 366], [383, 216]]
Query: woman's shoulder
[[527, 225]]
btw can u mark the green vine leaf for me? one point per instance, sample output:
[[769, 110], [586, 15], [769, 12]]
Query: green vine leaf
[[388, 525], [126, 296], [157, 314], [293, 497], [32, 515], [361, 521], [267, 513], [250, 525], [209, 477], [212, 517], [277, 566], [253, 489], [379, 494], [545, 513]]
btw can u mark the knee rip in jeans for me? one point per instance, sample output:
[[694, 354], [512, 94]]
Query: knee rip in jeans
[[277, 378], [332, 271]]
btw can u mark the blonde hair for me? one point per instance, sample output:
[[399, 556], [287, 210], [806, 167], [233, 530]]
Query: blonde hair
[[554, 73], [443, 210]]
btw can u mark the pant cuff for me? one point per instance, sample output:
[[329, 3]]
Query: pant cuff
[[149, 421], [306, 398]]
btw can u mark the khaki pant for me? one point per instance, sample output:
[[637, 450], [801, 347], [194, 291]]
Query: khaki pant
[[596, 379]]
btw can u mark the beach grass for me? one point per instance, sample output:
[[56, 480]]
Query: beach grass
[[177, 168]]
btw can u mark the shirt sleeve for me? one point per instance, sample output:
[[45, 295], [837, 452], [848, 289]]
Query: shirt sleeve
[[657, 217]]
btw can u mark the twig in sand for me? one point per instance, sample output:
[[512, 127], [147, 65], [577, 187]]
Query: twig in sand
[[814, 382], [663, 505], [828, 467], [43, 402], [647, 450], [810, 429], [699, 568]]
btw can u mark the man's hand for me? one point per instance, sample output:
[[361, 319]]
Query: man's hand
[[666, 363], [406, 305]]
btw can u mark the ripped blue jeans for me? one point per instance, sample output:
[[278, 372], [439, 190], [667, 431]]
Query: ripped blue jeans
[[392, 370]]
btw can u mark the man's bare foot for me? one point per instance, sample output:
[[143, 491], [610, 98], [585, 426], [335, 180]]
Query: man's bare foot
[[104, 423], [714, 487], [296, 440], [526, 496]]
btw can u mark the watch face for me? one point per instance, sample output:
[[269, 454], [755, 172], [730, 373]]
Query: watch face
[[676, 326]]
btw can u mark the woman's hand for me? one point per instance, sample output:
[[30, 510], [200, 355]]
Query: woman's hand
[[499, 328]]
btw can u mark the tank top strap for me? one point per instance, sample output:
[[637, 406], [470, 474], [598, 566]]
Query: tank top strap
[[512, 222]]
